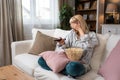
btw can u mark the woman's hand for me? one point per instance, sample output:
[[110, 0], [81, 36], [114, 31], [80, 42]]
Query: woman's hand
[[79, 31], [77, 27], [61, 41]]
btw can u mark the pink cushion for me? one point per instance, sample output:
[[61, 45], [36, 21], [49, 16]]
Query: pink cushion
[[56, 61], [110, 70]]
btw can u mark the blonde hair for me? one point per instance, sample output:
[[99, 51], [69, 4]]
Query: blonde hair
[[79, 18]]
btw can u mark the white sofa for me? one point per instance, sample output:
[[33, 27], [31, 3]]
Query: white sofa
[[28, 62]]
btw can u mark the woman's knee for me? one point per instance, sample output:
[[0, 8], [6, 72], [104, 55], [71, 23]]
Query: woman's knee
[[75, 69]]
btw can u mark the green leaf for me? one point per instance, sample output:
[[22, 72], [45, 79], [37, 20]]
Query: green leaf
[[65, 15]]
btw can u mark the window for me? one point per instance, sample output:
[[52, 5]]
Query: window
[[43, 9], [39, 12], [39, 9], [26, 8]]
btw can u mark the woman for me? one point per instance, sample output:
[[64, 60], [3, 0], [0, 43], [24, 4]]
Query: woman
[[80, 37]]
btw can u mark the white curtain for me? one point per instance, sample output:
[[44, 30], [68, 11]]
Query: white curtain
[[40, 14], [55, 13]]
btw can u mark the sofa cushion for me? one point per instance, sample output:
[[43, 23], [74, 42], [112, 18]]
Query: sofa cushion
[[99, 52], [99, 78], [61, 33], [110, 70], [49, 32], [74, 54], [42, 43], [56, 61], [42, 74], [26, 62], [112, 39]]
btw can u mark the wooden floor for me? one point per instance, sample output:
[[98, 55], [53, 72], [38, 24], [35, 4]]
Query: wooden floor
[[12, 73]]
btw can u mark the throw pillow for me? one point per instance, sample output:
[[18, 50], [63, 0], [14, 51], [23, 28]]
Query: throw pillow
[[110, 70], [49, 32], [55, 60], [42, 43], [74, 54], [99, 52]]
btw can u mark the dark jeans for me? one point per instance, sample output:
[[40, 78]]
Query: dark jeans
[[73, 69]]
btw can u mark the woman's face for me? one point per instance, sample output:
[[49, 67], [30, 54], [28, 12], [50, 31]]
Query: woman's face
[[73, 25]]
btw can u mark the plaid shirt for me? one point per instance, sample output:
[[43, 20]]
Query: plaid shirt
[[86, 42]]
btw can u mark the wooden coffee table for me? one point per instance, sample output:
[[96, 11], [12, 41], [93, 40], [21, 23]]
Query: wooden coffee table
[[12, 73]]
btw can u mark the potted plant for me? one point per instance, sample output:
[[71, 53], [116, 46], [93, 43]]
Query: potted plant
[[65, 15]]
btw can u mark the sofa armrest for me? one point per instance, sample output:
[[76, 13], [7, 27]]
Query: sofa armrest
[[20, 47]]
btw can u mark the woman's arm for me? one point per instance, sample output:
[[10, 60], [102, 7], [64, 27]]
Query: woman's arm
[[89, 44], [94, 39], [64, 43]]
